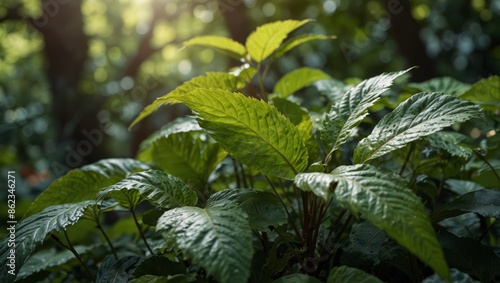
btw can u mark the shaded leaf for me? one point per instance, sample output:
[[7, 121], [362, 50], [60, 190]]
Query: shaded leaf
[[84, 183], [217, 80], [344, 274], [268, 37], [451, 142], [223, 44], [159, 266], [263, 209], [346, 114], [297, 278], [384, 199], [470, 256], [218, 238], [32, 230], [456, 277], [298, 79], [252, 131], [462, 187], [447, 85], [418, 116], [298, 40], [486, 93], [483, 202], [333, 89], [158, 188], [119, 271]]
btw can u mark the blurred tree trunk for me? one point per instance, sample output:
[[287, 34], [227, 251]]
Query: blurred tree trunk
[[405, 30], [234, 13]]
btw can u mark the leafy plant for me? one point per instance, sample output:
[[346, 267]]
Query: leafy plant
[[267, 186]]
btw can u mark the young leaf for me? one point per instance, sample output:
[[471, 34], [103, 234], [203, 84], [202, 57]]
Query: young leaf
[[217, 80], [445, 84], [486, 93], [296, 41], [218, 238], [297, 79], [190, 156], [344, 274], [318, 183], [32, 230], [252, 131], [267, 38], [223, 44], [158, 188], [384, 199], [263, 209], [483, 202], [418, 116], [84, 183], [347, 114]]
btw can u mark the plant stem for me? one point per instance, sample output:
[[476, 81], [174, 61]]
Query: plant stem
[[235, 166], [72, 249], [488, 163], [107, 239], [305, 208], [407, 158], [140, 231]]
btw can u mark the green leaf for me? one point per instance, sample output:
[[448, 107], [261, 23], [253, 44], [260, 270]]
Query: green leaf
[[159, 266], [218, 238], [298, 40], [486, 93], [298, 79], [345, 116], [84, 183], [252, 131], [49, 258], [190, 156], [444, 84], [297, 278], [32, 230], [461, 187], [451, 142], [217, 80], [301, 119], [119, 271], [152, 279], [470, 256], [344, 274], [267, 38], [263, 209], [418, 116], [223, 44], [333, 89], [320, 184], [384, 199], [483, 202], [158, 188]]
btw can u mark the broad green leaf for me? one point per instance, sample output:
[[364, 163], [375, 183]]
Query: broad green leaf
[[49, 258], [301, 119], [462, 187], [268, 37], [444, 84], [345, 274], [470, 256], [486, 93], [483, 202], [263, 209], [297, 278], [320, 184], [345, 116], [333, 89], [84, 183], [32, 230], [217, 80], [365, 246], [119, 271], [252, 131], [158, 188], [384, 199], [298, 79], [418, 116], [218, 238], [451, 142], [298, 40], [190, 156], [223, 44]]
